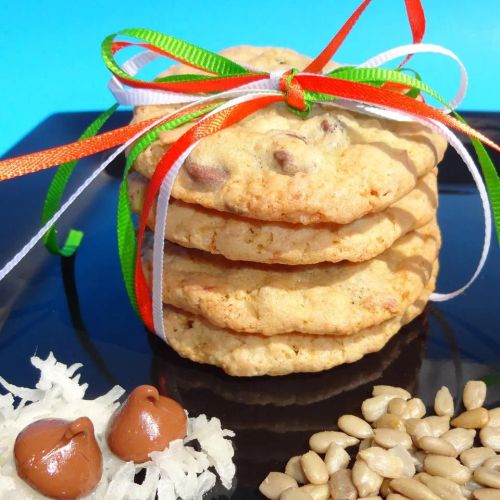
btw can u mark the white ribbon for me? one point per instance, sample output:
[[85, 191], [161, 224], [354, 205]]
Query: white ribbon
[[425, 48], [138, 97]]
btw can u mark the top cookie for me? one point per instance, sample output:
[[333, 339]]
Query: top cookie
[[333, 166]]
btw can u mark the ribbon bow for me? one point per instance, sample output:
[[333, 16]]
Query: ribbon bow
[[222, 95]]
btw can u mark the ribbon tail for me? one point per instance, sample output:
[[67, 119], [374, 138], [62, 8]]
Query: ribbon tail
[[56, 191], [492, 181], [139, 131], [127, 250], [48, 158], [416, 18], [126, 238], [329, 51]]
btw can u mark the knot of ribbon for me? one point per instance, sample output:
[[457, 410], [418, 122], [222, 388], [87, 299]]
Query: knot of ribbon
[[220, 94], [294, 93]]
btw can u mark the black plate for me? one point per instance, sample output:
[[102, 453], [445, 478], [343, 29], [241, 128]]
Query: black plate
[[78, 309]]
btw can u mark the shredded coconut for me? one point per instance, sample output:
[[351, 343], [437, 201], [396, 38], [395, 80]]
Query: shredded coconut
[[179, 472]]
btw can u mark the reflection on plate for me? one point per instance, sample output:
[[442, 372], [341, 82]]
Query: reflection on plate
[[273, 417]]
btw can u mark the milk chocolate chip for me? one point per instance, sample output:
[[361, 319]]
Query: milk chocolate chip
[[287, 164], [146, 422], [207, 176], [59, 458], [282, 158], [329, 125]]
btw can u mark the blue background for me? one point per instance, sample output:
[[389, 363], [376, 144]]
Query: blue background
[[51, 61]]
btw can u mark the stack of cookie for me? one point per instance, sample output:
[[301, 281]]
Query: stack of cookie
[[295, 244]]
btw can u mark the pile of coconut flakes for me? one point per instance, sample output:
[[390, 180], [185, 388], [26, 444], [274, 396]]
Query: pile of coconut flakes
[[181, 471]]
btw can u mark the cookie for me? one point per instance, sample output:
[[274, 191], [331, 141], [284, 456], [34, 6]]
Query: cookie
[[173, 374], [332, 166], [238, 238], [246, 355], [325, 299]]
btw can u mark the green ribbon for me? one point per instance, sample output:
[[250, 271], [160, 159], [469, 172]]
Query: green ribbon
[[491, 179], [378, 76], [179, 49], [56, 191], [490, 380], [127, 250]]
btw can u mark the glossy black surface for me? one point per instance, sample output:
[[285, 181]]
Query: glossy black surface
[[78, 309]]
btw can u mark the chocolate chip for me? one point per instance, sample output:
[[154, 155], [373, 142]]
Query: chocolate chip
[[286, 163], [209, 176], [281, 157], [329, 126]]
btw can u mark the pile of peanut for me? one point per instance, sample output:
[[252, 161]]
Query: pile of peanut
[[402, 454]]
